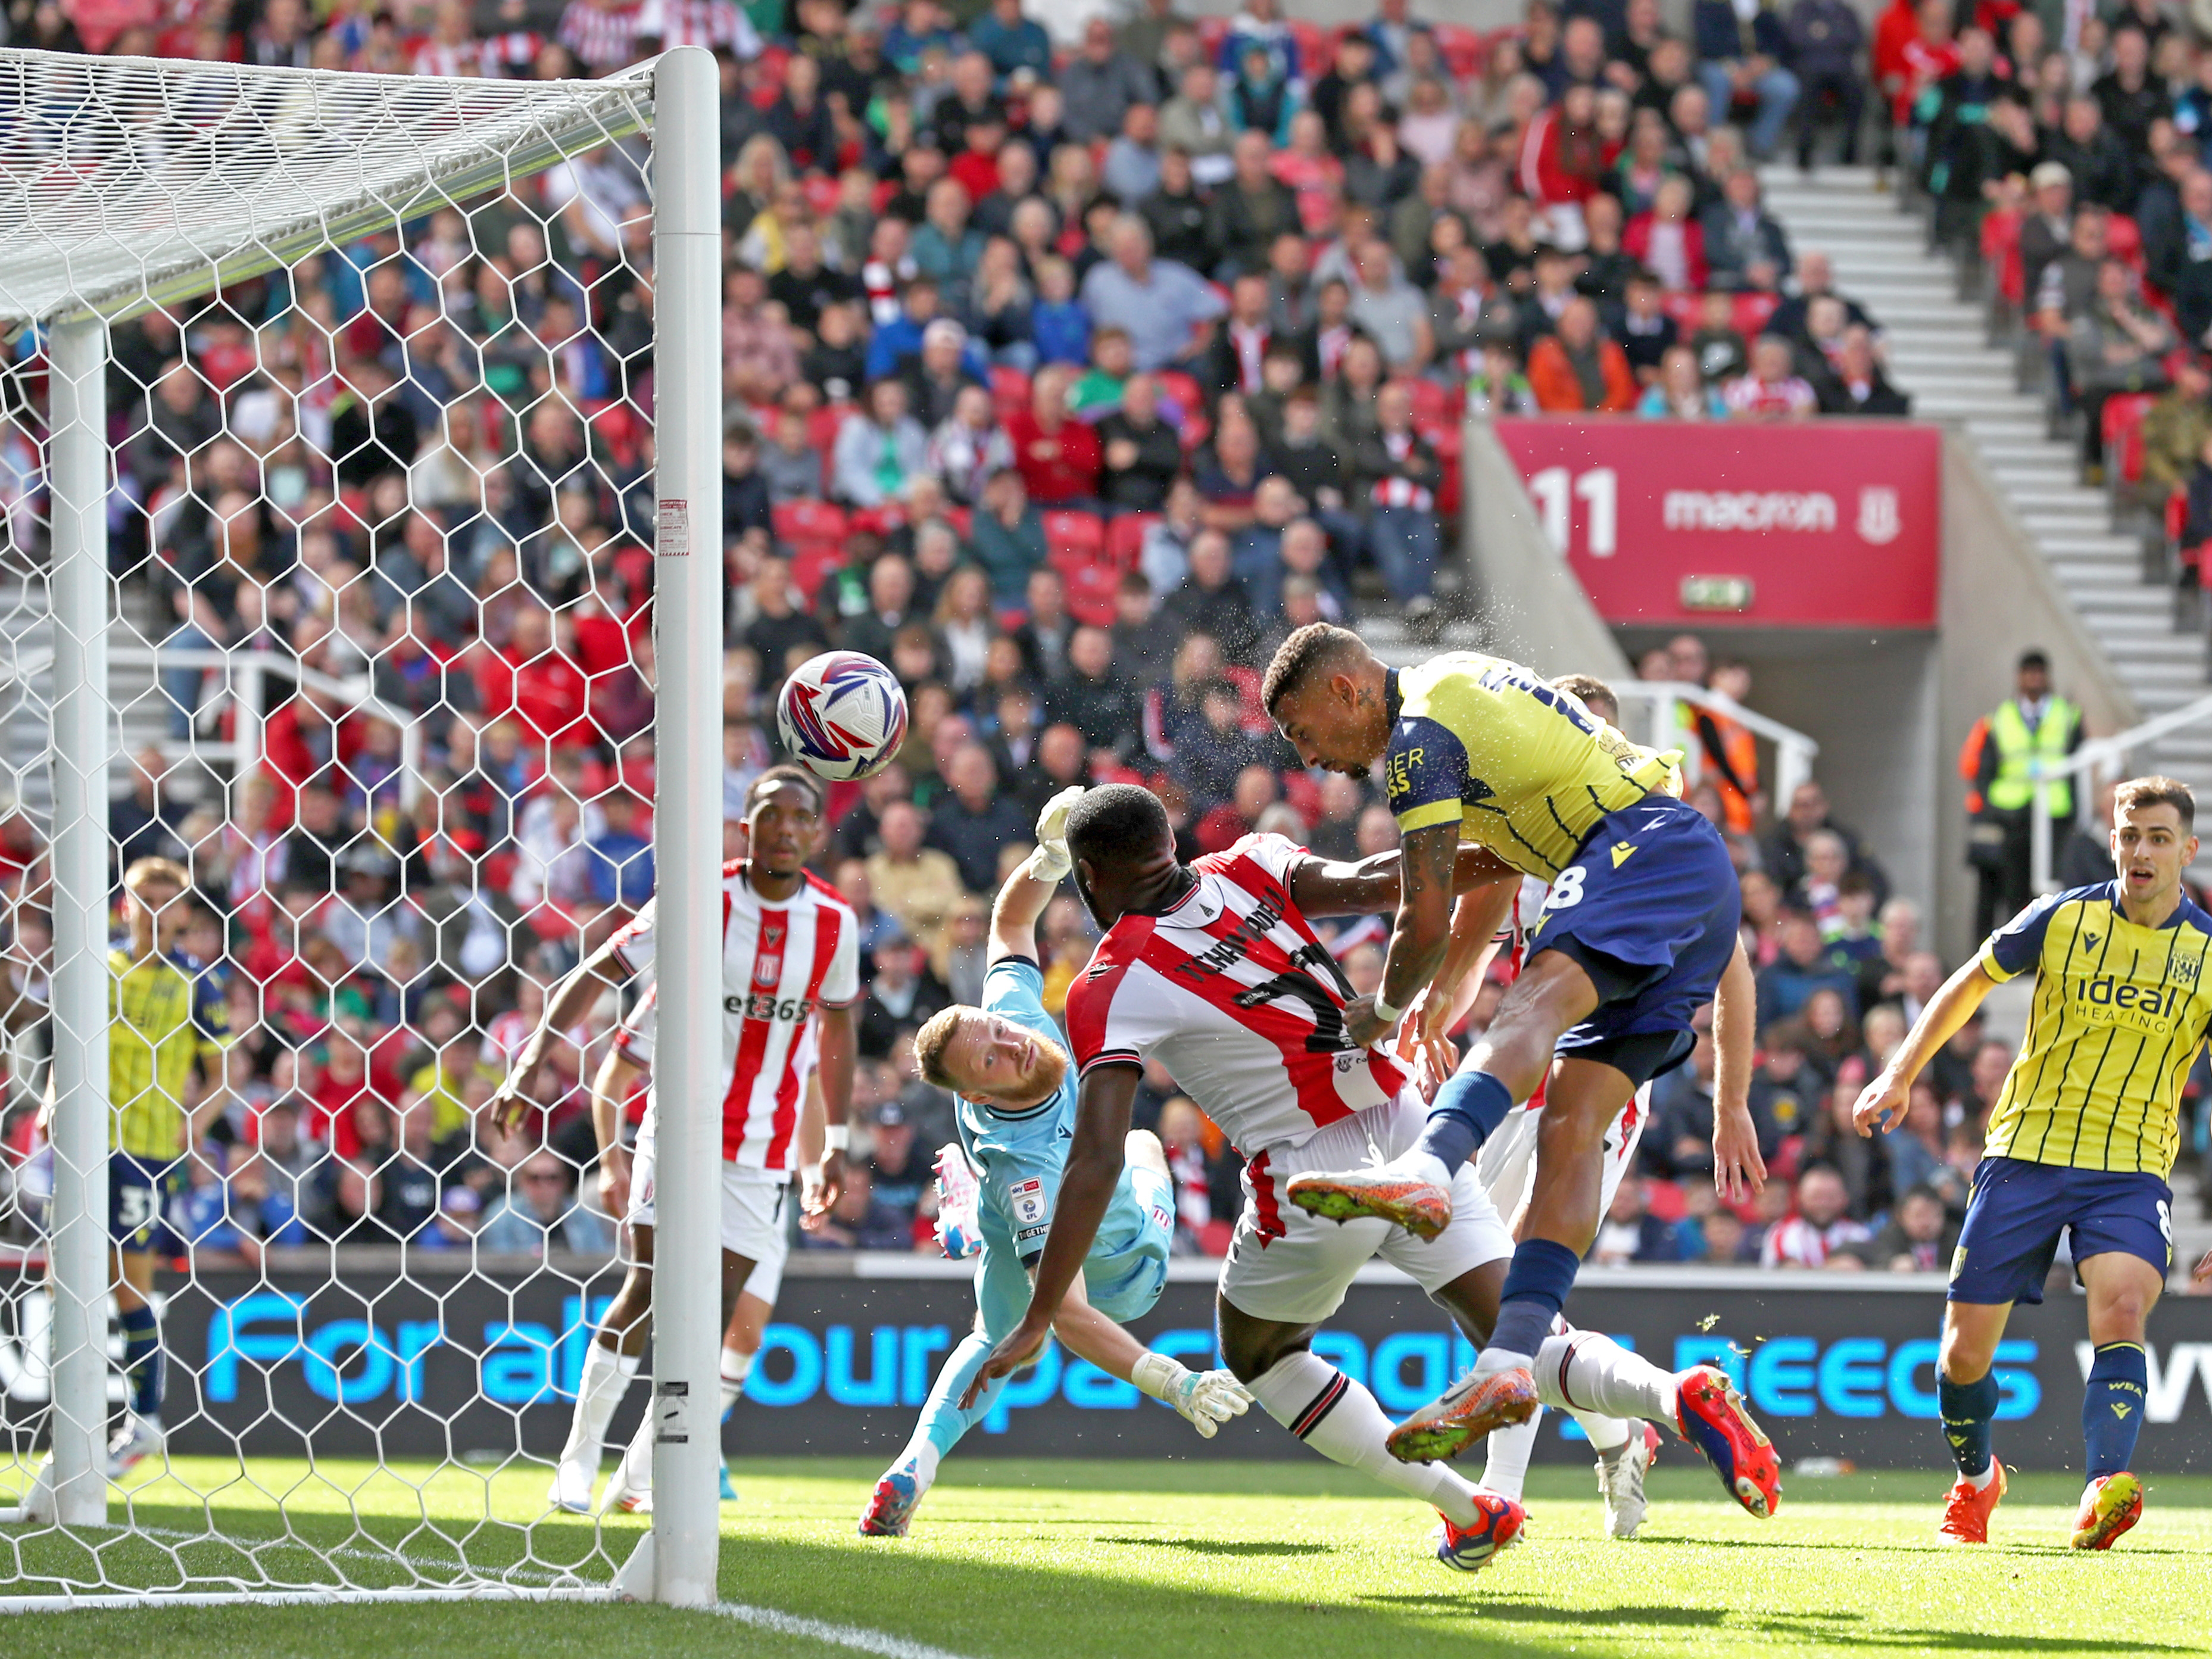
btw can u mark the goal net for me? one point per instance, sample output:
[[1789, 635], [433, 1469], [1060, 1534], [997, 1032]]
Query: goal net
[[327, 745]]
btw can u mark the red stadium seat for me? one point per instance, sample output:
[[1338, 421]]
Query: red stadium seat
[[821, 193], [1125, 538], [811, 562], [1010, 388], [1447, 439], [1180, 389], [1090, 585], [1248, 683], [963, 520], [1076, 538], [2122, 435], [809, 521], [1461, 49], [1752, 312], [822, 427], [2123, 240], [1682, 306], [1431, 403], [1317, 49]]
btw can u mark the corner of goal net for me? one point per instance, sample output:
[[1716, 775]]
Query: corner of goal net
[[633, 1580]]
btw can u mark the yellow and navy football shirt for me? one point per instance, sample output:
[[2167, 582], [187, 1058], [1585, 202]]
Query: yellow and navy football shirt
[[1521, 767], [2120, 1011], [167, 1014]]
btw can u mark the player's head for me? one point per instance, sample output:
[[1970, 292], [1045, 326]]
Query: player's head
[[2154, 838], [783, 820], [157, 887], [1326, 692], [1122, 848], [1595, 695], [988, 1059]]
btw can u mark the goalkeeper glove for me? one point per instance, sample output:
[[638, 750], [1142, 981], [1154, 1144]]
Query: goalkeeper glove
[[1050, 862], [1207, 1399]]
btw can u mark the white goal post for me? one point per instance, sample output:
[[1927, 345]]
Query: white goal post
[[134, 186]]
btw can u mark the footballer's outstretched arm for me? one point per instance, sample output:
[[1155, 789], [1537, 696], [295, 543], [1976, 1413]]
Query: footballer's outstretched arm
[[1739, 1171], [602, 971], [1882, 1102], [1014, 916], [1333, 887], [1087, 1189], [1476, 921]]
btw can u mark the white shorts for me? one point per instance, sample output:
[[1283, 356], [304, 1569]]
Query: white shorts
[[1293, 1269], [1506, 1165], [752, 1215]]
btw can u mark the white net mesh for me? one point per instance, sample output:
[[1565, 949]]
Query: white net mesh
[[379, 406]]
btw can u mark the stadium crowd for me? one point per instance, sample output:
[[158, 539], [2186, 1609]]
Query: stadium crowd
[[1066, 377]]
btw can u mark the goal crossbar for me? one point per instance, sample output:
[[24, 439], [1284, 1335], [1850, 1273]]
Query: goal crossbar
[[128, 183]]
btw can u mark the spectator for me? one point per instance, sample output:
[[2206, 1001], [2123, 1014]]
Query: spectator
[[1630, 1232], [1680, 393], [918, 884], [969, 447], [1059, 457], [1210, 602], [901, 994], [1096, 700], [1741, 52], [1100, 84], [541, 1214], [1919, 1238], [1819, 1231], [1397, 474], [1803, 966], [1143, 456], [1744, 245], [1009, 535], [1160, 304], [2118, 344], [975, 821], [880, 451], [1772, 390], [1577, 370], [1252, 209], [1826, 39]]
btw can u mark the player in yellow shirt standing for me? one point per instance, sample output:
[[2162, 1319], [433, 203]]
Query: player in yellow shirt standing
[[2081, 1140], [168, 1023]]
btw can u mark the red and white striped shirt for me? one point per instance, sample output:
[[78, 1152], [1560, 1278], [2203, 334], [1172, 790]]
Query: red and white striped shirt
[[1234, 993], [495, 58], [708, 23], [601, 38], [781, 962]]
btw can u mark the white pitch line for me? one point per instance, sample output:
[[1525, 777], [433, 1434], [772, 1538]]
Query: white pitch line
[[879, 1642]]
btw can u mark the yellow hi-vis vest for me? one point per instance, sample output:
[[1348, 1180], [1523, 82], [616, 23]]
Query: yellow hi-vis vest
[[2022, 753]]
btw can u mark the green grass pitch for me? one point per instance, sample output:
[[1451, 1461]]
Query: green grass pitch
[[1038, 1560]]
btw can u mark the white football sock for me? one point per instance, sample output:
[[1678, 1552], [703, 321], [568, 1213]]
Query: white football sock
[[1583, 1371], [1606, 1435], [637, 1461], [736, 1367], [1981, 1482], [1509, 1449], [920, 1458], [606, 1378], [1341, 1420]]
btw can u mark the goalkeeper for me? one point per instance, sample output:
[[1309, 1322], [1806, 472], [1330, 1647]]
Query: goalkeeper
[[1006, 1064]]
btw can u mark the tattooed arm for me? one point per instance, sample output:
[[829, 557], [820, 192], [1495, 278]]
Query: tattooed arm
[[1422, 931]]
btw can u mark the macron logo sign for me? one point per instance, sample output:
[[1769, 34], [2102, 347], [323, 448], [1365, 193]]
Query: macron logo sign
[[1750, 509]]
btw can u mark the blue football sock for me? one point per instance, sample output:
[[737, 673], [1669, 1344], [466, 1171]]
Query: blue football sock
[[1967, 1408], [942, 1421], [2112, 1405], [141, 1360], [1469, 1106], [1536, 1287]]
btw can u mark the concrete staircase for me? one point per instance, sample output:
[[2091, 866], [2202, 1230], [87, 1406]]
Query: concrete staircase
[[1939, 352]]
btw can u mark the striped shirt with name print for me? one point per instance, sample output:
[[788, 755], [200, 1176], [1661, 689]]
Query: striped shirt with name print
[[2120, 1011], [782, 961], [1230, 990]]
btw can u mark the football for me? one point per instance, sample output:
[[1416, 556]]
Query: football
[[841, 715]]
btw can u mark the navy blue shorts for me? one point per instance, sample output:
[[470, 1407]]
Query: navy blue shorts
[[1649, 908], [138, 1194], [2017, 1210]]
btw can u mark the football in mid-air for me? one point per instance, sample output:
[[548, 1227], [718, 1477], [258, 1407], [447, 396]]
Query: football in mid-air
[[841, 715]]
